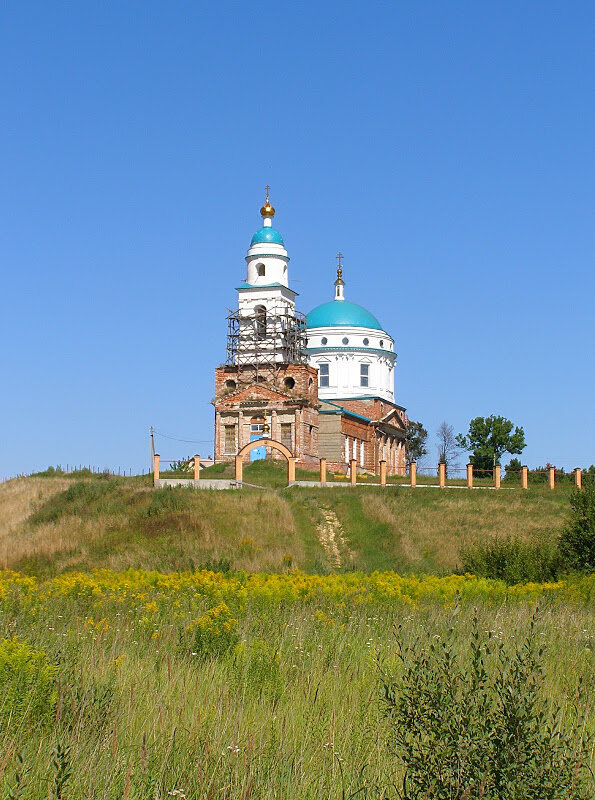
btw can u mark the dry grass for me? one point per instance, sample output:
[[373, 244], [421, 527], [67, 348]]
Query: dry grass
[[18, 499], [430, 530], [118, 524]]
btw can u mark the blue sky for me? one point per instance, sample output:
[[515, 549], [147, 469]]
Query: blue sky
[[445, 148]]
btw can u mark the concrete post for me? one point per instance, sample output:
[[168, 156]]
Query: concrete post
[[155, 468], [383, 472], [524, 477], [551, 474], [413, 474], [323, 470], [578, 478], [442, 475], [239, 469], [497, 470], [196, 467], [353, 471], [291, 469], [469, 476]]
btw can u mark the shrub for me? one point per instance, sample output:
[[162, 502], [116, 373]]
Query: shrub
[[512, 560], [214, 633], [465, 731], [82, 498], [577, 541], [168, 499], [28, 683]]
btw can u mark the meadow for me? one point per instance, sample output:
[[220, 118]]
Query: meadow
[[175, 643], [246, 685]]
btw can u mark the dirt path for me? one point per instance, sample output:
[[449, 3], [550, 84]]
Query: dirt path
[[330, 535]]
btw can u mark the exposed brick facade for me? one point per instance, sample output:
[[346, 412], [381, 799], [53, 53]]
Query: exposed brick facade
[[285, 399]]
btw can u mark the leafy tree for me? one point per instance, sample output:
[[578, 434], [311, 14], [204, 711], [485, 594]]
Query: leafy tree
[[577, 541], [415, 440], [447, 445], [489, 438]]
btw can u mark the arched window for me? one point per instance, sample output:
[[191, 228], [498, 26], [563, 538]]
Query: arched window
[[260, 313], [260, 269]]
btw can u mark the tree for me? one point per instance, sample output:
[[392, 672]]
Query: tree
[[415, 441], [577, 541], [489, 438], [447, 445]]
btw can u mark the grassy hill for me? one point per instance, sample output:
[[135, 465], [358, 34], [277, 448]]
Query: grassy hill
[[53, 524]]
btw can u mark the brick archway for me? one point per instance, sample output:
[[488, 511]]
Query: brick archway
[[264, 442]]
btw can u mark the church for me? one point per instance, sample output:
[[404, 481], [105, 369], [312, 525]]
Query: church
[[321, 385]]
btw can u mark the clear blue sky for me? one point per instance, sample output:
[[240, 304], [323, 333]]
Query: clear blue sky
[[445, 147]]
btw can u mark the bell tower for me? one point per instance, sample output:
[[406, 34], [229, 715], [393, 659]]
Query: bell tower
[[266, 389], [266, 330]]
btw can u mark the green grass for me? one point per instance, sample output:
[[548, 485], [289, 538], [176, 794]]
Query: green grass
[[122, 522], [289, 706]]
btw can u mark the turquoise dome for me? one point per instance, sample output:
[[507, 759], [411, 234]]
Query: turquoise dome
[[266, 236], [341, 314]]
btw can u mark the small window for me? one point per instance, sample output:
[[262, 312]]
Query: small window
[[324, 374], [289, 383], [230, 384], [310, 381], [364, 374], [260, 270], [230, 438], [382, 343], [345, 340], [366, 341], [286, 434], [257, 425], [324, 340]]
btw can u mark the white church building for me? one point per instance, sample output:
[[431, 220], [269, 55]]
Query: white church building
[[322, 385]]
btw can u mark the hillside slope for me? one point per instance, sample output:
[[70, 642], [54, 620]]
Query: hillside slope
[[49, 525]]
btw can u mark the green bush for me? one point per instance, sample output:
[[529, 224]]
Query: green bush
[[168, 499], [80, 499], [28, 683], [465, 730], [512, 560], [577, 541]]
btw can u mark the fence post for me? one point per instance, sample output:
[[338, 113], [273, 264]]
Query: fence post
[[578, 478], [383, 472], [291, 469], [323, 470], [497, 470], [524, 477], [239, 468], [442, 475], [551, 476], [353, 471], [469, 476], [413, 474], [196, 467], [155, 468]]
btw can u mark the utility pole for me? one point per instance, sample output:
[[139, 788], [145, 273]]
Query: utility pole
[[152, 461]]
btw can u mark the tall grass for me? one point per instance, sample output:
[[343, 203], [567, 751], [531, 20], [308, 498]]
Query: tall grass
[[289, 704]]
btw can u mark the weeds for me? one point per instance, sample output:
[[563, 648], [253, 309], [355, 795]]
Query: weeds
[[481, 725]]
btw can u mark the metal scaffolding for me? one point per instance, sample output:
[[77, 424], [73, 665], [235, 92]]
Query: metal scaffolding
[[260, 343]]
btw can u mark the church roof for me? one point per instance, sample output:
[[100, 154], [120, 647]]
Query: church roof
[[267, 235], [341, 314]]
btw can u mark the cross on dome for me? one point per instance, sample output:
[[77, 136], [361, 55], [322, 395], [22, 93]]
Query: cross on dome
[[267, 211]]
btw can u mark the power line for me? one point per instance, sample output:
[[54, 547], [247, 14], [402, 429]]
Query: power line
[[179, 439]]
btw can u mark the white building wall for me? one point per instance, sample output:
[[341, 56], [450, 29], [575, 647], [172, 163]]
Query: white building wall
[[344, 361]]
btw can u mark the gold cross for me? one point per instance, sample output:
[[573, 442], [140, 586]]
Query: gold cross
[[340, 266], [267, 190], [339, 256]]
